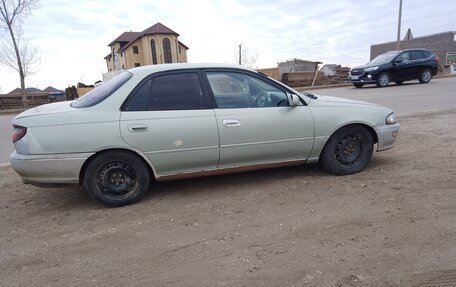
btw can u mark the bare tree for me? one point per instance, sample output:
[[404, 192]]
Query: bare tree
[[28, 55], [245, 57], [19, 55]]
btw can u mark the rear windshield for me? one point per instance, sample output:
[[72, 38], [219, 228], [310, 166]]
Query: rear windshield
[[102, 92], [383, 58]]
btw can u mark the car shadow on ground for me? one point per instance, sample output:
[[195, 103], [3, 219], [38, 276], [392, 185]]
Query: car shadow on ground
[[373, 86], [75, 198], [236, 181]]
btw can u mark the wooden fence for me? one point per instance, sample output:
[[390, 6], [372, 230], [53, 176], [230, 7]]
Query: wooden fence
[[14, 101]]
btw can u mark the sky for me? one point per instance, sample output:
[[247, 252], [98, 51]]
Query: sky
[[73, 36]]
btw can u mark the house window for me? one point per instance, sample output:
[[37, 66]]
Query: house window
[[123, 66], [180, 50], [167, 50], [121, 54], [137, 65], [154, 52], [135, 50]]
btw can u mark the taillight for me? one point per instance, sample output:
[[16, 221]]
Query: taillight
[[437, 59], [18, 132]]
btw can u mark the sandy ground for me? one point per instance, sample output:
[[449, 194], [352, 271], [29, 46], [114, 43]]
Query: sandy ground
[[393, 224]]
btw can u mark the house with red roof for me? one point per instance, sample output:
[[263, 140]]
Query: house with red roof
[[157, 44]]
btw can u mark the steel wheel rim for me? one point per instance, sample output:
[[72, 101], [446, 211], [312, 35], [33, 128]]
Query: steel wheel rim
[[383, 80], [349, 150], [426, 76], [117, 180]]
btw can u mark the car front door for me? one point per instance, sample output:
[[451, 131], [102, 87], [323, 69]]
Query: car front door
[[255, 121], [401, 69], [166, 117]]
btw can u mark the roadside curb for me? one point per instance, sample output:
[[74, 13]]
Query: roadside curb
[[306, 88]]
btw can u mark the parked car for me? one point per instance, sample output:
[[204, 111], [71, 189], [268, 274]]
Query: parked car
[[163, 122], [396, 66]]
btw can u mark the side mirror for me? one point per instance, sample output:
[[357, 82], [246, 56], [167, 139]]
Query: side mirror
[[294, 100], [397, 61]]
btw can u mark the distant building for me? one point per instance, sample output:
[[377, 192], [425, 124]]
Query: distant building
[[51, 89], [297, 65], [27, 91], [156, 45], [329, 70], [442, 44]]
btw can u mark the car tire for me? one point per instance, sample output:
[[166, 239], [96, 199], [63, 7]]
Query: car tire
[[425, 76], [116, 178], [383, 80], [399, 82], [358, 85], [348, 150]]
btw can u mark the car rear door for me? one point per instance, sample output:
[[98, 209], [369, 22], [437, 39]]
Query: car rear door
[[417, 63], [256, 123], [167, 118]]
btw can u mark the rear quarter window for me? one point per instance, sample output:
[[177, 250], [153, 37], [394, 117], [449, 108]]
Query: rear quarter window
[[102, 92], [427, 54]]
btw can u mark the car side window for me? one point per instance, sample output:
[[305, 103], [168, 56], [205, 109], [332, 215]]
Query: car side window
[[180, 91], [404, 57], [427, 54], [416, 55], [233, 90], [140, 98]]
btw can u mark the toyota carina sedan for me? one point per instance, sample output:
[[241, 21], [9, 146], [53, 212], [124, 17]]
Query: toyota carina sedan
[[170, 121]]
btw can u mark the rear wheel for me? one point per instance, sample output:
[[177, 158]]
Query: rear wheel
[[348, 150], [358, 85], [116, 178], [425, 76], [383, 80]]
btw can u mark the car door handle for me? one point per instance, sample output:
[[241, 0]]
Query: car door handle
[[231, 123], [137, 128]]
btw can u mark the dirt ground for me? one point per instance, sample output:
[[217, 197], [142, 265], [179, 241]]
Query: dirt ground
[[393, 224]]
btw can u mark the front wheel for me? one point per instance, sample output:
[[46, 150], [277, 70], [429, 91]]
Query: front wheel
[[116, 178], [348, 150], [425, 76], [383, 80]]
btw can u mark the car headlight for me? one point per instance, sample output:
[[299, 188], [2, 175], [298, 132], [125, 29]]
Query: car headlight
[[371, 69], [391, 119]]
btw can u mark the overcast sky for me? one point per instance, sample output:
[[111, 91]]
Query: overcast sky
[[72, 36]]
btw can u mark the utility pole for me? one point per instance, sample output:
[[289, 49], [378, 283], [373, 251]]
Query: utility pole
[[398, 43], [240, 54]]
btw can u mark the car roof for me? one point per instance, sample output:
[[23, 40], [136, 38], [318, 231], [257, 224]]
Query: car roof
[[149, 69], [411, 49]]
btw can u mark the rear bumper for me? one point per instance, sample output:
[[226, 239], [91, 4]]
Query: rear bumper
[[386, 135], [49, 169]]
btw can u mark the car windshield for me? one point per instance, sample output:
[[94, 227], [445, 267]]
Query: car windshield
[[383, 58], [102, 92]]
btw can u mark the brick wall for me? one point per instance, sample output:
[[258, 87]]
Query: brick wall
[[439, 43]]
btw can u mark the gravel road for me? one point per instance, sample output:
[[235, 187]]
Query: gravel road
[[390, 225]]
